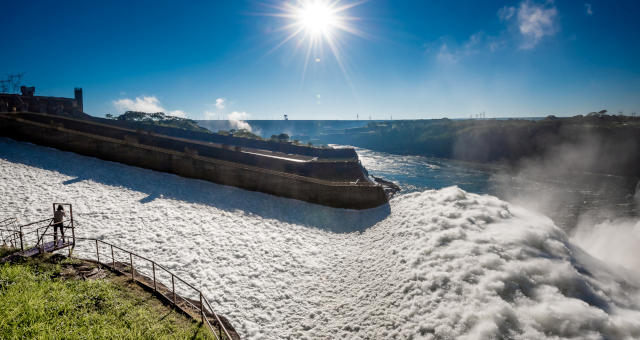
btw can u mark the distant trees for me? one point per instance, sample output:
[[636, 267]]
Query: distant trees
[[158, 118], [283, 137], [243, 133], [597, 114]]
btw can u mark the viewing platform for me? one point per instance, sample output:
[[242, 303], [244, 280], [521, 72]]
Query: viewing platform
[[38, 237], [31, 240]]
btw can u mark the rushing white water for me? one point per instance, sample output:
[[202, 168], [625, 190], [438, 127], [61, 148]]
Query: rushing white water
[[438, 264]]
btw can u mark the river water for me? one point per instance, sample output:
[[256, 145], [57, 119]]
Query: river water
[[567, 198]]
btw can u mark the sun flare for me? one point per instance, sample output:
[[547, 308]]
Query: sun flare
[[316, 24], [317, 18]]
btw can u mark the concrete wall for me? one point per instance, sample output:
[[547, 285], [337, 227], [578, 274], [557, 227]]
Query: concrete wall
[[341, 170], [43, 104], [187, 163], [344, 154]]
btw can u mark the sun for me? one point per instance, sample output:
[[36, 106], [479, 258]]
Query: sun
[[317, 17], [316, 24]]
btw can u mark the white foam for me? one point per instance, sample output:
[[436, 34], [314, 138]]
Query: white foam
[[443, 264]]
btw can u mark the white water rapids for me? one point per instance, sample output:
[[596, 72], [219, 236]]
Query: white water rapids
[[436, 264]]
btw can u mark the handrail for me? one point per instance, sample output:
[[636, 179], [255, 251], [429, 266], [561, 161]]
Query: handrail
[[216, 315], [205, 305], [11, 239], [39, 238], [36, 222], [50, 224], [10, 220]]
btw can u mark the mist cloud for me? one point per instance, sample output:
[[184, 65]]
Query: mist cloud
[[237, 120], [561, 184]]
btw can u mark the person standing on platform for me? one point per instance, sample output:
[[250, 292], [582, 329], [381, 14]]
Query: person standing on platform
[[58, 217]]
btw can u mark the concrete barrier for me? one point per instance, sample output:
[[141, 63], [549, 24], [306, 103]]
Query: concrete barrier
[[187, 159], [332, 170], [322, 153]]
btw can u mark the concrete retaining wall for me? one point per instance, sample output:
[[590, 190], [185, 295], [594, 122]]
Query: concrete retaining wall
[[345, 154], [335, 170], [189, 162]]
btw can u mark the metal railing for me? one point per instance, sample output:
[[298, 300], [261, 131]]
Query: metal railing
[[149, 273], [34, 234], [9, 232]]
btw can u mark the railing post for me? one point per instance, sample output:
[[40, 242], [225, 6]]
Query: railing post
[[73, 227], [173, 287], [201, 308], [153, 267], [97, 254], [131, 261], [113, 259]]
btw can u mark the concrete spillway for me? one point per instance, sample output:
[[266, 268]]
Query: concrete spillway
[[330, 179]]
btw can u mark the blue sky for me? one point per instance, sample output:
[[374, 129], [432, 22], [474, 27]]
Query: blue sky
[[407, 59]]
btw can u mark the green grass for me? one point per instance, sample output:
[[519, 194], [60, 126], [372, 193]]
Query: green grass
[[37, 303], [4, 251]]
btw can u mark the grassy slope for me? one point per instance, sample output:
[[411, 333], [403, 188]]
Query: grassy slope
[[36, 303]]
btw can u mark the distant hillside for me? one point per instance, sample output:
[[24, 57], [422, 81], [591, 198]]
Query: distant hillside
[[159, 119], [594, 143], [303, 130]]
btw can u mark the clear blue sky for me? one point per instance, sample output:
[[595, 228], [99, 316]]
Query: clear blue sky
[[409, 59]]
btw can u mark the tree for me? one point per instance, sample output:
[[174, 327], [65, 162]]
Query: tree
[[160, 119], [283, 137]]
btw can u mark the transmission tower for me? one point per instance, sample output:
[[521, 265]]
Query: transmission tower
[[12, 83], [4, 86]]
